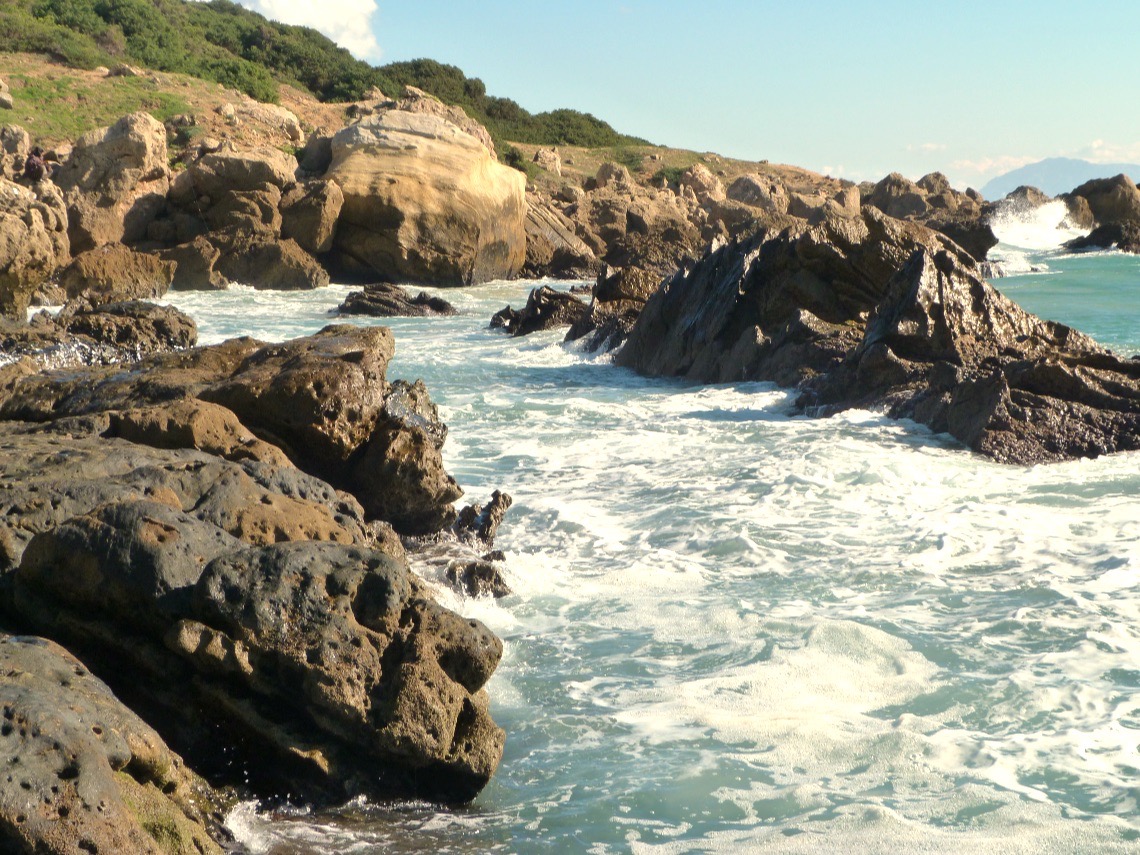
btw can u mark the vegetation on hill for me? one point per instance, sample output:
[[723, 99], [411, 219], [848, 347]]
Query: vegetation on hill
[[223, 42]]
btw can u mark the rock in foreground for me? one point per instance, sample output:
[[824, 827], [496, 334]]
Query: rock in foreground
[[883, 314], [84, 773]]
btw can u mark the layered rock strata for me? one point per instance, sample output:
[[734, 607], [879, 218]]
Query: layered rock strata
[[874, 312]]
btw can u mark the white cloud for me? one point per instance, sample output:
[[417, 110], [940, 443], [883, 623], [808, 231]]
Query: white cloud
[[984, 167], [347, 22], [1100, 151], [927, 147]]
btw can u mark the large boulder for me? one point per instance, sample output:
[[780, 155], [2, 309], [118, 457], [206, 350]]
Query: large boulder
[[884, 314], [115, 182], [324, 667], [1111, 200], [114, 273], [85, 774], [425, 202], [265, 262], [309, 213], [33, 242], [759, 192]]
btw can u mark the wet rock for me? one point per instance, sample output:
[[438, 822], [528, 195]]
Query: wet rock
[[382, 300], [619, 297], [322, 666], [1122, 236], [134, 329], [882, 314], [477, 525], [545, 309], [115, 273], [85, 773], [478, 579]]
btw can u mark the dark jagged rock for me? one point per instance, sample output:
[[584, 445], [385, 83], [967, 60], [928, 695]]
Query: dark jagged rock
[[880, 313], [1122, 236], [477, 579], [545, 309], [619, 297], [382, 300], [477, 525], [84, 773]]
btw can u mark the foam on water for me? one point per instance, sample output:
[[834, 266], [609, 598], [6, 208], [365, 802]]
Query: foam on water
[[736, 628]]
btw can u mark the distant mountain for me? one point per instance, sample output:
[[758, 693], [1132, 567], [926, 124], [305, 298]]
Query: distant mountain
[[1055, 175]]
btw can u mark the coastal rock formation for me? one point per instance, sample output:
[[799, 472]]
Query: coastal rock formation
[[425, 201], [382, 300], [880, 313], [33, 242], [553, 249], [1113, 206], [85, 774], [618, 298], [933, 202], [545, 309], [115, 182], [324, 400], [82, 335], [114, 273], [309, 213]]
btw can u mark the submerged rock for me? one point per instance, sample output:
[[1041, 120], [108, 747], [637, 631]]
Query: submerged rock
[[884, 314]]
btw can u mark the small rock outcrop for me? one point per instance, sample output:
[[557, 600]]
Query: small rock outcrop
[[553, 249], [425, 202], [114, 273], [545, 309], [880, 313], [381, 300], [933, 202]]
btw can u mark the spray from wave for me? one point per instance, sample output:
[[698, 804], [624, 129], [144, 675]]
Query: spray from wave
[[1025, 230]]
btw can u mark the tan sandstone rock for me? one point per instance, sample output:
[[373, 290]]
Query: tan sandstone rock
[[115, 182], [425, 202], [33, 242]]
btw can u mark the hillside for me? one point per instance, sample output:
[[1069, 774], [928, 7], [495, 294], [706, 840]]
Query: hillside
[[1056, 175], [225, 43]]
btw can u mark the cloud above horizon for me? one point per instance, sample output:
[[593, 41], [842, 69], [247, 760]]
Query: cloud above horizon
[[349, 23]]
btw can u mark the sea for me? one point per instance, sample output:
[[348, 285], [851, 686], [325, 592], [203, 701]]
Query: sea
[[737, 629]]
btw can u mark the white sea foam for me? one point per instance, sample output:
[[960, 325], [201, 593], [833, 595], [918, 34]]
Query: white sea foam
[[738, 629]]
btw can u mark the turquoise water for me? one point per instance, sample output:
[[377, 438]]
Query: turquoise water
[[735, 629]]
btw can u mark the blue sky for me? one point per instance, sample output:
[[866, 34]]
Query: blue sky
[[855, 89]]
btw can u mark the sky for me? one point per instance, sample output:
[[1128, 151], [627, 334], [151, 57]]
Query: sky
[[852, 89]]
